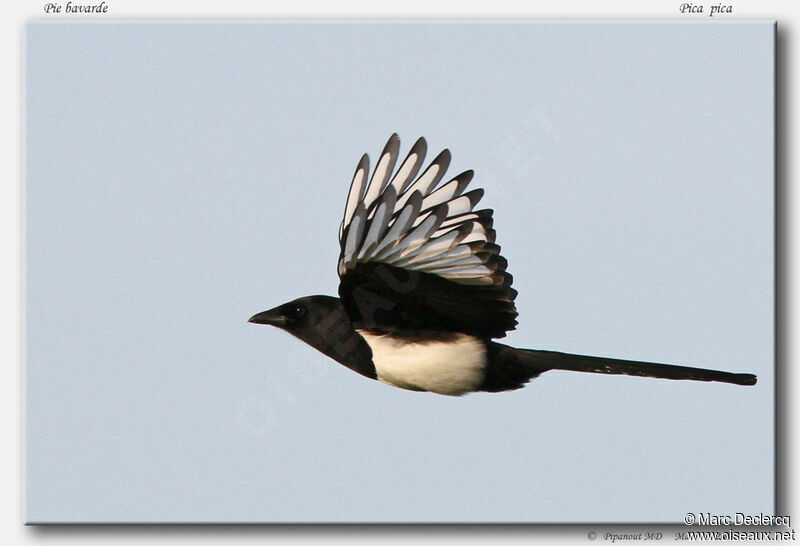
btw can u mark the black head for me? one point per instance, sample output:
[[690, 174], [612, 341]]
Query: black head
[[321, 322], [299, 314]]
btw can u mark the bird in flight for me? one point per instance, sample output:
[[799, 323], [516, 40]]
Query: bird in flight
[[424, 291]]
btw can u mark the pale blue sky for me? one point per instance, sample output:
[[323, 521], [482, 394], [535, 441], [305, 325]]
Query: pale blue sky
[[181, 177]]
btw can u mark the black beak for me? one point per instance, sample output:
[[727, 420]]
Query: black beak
[[273, 317]]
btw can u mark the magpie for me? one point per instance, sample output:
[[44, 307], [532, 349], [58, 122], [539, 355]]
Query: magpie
[[424, 291]]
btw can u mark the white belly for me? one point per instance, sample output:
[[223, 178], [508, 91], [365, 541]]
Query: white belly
[[445, 367]]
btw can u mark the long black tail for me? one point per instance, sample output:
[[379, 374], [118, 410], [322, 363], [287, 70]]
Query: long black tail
[[512, 363]]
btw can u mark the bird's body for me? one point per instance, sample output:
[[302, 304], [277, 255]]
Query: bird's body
[[453, 366], [424, 291]]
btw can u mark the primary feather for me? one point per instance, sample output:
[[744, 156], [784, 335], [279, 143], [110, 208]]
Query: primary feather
[[416, 254], [418, 225]]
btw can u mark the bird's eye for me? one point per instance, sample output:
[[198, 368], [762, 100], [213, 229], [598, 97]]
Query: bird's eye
[[298, 310]]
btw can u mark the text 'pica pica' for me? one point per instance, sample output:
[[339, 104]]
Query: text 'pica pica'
[[423, 291]]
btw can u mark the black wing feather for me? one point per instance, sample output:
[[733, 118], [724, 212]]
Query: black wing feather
[[433, 265]]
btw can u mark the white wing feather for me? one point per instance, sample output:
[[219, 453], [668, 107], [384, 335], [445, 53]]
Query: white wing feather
[[410, 223]]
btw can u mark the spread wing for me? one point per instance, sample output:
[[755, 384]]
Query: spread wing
[[416, 255]]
